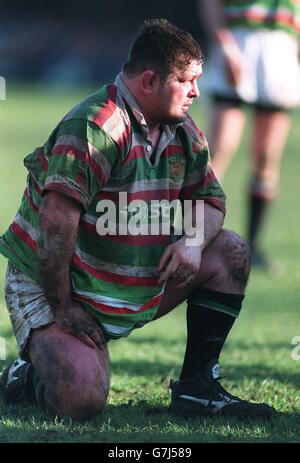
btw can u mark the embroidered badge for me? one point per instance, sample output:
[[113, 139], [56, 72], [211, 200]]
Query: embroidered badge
[[176, 167]]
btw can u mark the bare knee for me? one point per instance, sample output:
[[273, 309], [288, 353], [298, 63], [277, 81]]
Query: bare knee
[[236, 256], [75, 377], [74, 402], [78, 393]]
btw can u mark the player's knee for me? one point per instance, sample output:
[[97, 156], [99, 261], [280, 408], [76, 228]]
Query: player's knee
[[237, 256], [75, 391], [75, 402], [83, 410], [86, 409], [75, 379]]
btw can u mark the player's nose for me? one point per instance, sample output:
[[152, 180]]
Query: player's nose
[[194, 91]]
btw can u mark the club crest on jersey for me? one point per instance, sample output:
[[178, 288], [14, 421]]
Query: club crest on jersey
[[176, 167]]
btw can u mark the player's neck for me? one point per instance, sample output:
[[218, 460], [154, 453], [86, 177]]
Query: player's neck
[[154, 134]]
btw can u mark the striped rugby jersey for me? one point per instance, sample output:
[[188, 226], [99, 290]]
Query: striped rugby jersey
[[98, 150], [272, 14]]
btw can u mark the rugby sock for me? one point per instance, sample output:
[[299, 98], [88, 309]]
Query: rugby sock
[[257, 211], [210, 317]]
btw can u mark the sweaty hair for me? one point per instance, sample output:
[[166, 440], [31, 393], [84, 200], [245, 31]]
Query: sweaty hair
[[163, 48]]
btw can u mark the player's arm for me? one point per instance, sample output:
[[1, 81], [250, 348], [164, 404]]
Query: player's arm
[[213, 12], [58, 226], [212, 222]]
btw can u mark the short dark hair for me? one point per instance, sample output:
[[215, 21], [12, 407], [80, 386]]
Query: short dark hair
[[162, 47]]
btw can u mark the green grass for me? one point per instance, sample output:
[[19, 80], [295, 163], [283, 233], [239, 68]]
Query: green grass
[[256, 359]]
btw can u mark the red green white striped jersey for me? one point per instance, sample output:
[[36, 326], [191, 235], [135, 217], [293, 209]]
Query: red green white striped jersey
[[98, 150], [271, 14]]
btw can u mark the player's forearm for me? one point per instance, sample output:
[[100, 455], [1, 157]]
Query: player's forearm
[[56, 245], [206, 224], [54, 269], [213, 222]]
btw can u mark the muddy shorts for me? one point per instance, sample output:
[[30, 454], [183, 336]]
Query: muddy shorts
[[27, 306]]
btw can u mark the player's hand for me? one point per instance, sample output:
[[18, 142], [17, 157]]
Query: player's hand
[[233, 56], [234, 69], [75, 320], [179, 263]]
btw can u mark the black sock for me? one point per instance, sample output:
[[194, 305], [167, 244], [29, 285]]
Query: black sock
[[257, 211], [210, 316]]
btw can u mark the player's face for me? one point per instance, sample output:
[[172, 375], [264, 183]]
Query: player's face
[[176, 95]]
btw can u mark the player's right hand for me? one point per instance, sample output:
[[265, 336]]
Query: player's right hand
[[233, 69], [75, 320], [232, 55]]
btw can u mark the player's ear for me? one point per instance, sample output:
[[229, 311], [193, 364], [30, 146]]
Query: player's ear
[[149, 82]]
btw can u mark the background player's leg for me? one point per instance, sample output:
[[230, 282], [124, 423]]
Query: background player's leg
[[226, 129], [271, 130]]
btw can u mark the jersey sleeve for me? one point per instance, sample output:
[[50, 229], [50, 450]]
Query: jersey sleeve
[[79, 160]]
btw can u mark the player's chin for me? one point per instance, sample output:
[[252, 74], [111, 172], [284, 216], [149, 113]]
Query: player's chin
[[177, 119], [184, 113], [182, 118]]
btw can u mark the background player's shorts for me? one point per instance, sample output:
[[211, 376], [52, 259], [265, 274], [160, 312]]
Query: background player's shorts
[[271, 70], [27, 306]]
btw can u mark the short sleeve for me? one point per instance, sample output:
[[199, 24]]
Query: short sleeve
[[80, 158]]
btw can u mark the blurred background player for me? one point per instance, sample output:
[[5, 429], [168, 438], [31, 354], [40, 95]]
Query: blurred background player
[[254, 60]]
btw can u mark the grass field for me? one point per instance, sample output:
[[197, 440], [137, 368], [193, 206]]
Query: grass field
[[257, 357]]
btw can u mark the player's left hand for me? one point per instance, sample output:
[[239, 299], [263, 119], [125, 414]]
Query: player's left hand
[[179, 263]]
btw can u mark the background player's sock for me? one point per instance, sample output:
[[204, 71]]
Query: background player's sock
[[257, 211]]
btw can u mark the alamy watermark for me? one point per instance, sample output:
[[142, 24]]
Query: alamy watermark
[[295, 354], [2, 348], [157, 217], [2, 88]]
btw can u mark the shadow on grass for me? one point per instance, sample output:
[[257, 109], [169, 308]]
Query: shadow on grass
[[153, 340], [237, 373], [139, 422], [247, 345], [260, 373], [241, 345], [142, 367]]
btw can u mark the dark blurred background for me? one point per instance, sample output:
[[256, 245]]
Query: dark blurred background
[[69, 42]]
